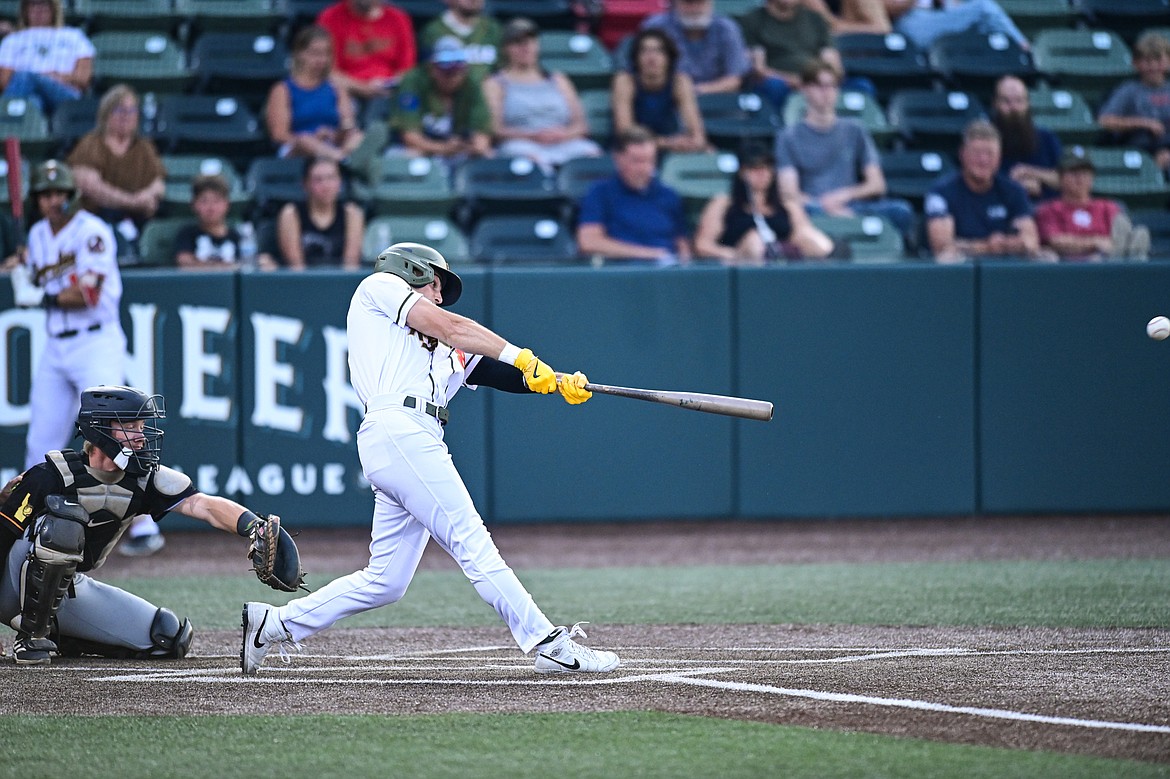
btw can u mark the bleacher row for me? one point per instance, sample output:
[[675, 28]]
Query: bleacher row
[[204, 66]]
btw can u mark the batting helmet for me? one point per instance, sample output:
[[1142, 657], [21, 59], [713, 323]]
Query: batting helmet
[[104, 411], [418, 265], [52, 176]]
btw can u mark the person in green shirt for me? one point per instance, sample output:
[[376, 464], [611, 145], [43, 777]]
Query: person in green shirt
[[439, 110], [479, 33]]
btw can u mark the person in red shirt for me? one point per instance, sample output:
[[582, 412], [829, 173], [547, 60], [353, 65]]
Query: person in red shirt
[[373, 45], [1080, 227]]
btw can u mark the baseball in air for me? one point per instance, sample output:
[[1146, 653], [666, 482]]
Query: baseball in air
[[1158, 328]]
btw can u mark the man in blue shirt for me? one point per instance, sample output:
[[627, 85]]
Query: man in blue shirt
[[710, 45], [977, 211], [632, 215], [1031, 154]]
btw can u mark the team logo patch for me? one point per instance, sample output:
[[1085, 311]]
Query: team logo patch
[[96, 244], [24, 512]]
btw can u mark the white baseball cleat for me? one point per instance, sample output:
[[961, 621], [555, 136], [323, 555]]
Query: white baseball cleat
[[560, 654], [262, 630]]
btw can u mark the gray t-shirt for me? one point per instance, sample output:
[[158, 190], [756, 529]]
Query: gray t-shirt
[[826, 159], [1133, 98]]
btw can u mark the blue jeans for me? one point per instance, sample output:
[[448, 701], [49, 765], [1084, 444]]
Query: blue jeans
[[923, 26], [49, 92]]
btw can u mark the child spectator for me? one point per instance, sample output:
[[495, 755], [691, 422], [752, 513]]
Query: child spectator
[[210, 243], [1138, 111]]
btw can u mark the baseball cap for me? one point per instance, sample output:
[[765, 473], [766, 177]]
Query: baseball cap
[[1075, 159], [448, 51], [519, 29]]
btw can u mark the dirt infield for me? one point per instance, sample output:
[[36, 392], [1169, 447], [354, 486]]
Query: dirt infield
[[1099, 692]]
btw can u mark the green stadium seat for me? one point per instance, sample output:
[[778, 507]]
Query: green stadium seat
[[1064, 112], [438, 232], [598, 107], [258, 17], [910, 174], [731, 119], [211, 126], [929, 119], [1127, 18], [975, 62], [243, 64], [850, 105], [1032, 16], [576, 176], [1092, 62], [580, 56], [23, 119], [504, 186], [1129, 175], [148, 61], [699, 176], [97, 16], [890, 61], [872, 239], [156, 245], [411, 186], [522, 240]]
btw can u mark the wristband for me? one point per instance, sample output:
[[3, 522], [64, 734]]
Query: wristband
[[245, 523], [509, 353]]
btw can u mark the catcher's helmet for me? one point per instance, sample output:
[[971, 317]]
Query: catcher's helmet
[[418, 265], [52, 176], [105, 406]]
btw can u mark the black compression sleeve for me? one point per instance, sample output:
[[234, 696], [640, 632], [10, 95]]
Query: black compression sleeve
[[497, 375]]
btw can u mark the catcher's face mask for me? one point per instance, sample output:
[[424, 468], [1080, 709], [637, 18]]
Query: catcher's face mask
[[115, 420]]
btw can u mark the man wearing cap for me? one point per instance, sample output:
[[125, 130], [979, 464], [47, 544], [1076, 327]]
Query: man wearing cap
[[1079, 227], [479, 33], [710, 45], [373, 45], [440, 110]]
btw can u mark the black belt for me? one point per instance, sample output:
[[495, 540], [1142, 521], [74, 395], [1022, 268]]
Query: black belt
[[71, 333], [438, 412]]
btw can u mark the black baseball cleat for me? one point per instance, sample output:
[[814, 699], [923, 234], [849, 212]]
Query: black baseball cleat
[[32, 651]]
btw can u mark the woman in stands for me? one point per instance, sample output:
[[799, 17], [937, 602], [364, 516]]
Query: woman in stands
[[750, 225], [322, 230], [308, 114], [43, 59], [652, 93], [535, 114]]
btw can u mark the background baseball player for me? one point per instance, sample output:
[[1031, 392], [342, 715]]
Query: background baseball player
[[407, 358], [62, 517], [72, 271]]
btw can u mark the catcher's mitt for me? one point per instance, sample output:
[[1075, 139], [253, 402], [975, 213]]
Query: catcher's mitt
[[275, 556]]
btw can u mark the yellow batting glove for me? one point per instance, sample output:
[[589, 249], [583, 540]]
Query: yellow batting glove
[[538, 376], [572, 388]]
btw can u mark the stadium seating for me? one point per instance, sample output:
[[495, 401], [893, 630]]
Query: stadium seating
[[929, 119], [598, 108], [212, 126], [71, 120], [272, 182], [731, 120], [575, 177], [974, 62], [872, 239], [1032, 16], [1127, 18], [850, 105], [515, 240], [259, 17], [23, 119], [411, 185], [503, 185], [699, 176], [148, 61], [97, 16], [548, 14], [1129, 175], [1158, 220], [1064, 112], [440, 233], [580, 56], [1092, 62], [910, 174], [889, 61], [156, 245], [242, 64]]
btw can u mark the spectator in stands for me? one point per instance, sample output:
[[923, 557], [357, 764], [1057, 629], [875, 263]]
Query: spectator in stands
[[440, 110], [654, 95], [373, 45], [1138, 111], [632, 215], [1030, 153], [979, 212], [43, 59], [752, 225], [830, 165], [480, 34], [783, 36], [210, 243], [853, 16], [710, 45], [307, 113], [322, 230], [535, 114], [925, 21], [1078, 226], [120, 176]]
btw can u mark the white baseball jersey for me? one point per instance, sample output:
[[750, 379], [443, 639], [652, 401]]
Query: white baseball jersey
[[85, 245], [44, 49], [418, 493]]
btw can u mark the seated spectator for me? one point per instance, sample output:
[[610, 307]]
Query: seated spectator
[[1030, 153], [632, 215], [322, 230], [1138, 111], [655, 96], [1078, 226], [751, 225], [373, 45], [440, 110], [923, 22], [308, 115], [480, 34], [979, 212], [43, 59], [710, 45], [535, 114], [853, 16], [120, 176], [830, 165], [210, 243]]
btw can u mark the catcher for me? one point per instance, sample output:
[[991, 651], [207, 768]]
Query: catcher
[[62, 517]]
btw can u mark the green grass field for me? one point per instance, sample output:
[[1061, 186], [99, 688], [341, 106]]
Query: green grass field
[[1123, 594]]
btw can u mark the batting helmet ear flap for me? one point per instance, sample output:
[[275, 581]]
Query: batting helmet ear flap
[[418, 264]]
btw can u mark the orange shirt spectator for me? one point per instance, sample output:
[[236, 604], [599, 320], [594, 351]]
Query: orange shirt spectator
[[373, 44]]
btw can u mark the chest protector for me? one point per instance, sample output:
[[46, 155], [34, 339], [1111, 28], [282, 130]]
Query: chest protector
[[110, 506]]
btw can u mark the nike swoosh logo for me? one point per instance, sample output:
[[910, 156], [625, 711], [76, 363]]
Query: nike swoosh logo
[[536, 375], [256, 641], [574, 667]]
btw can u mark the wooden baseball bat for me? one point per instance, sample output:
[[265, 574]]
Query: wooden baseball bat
[[745, 408], [12, 156]]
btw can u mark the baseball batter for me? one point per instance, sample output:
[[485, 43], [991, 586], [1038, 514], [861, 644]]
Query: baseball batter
[[407, 358], [72, 271], [61, 518]]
